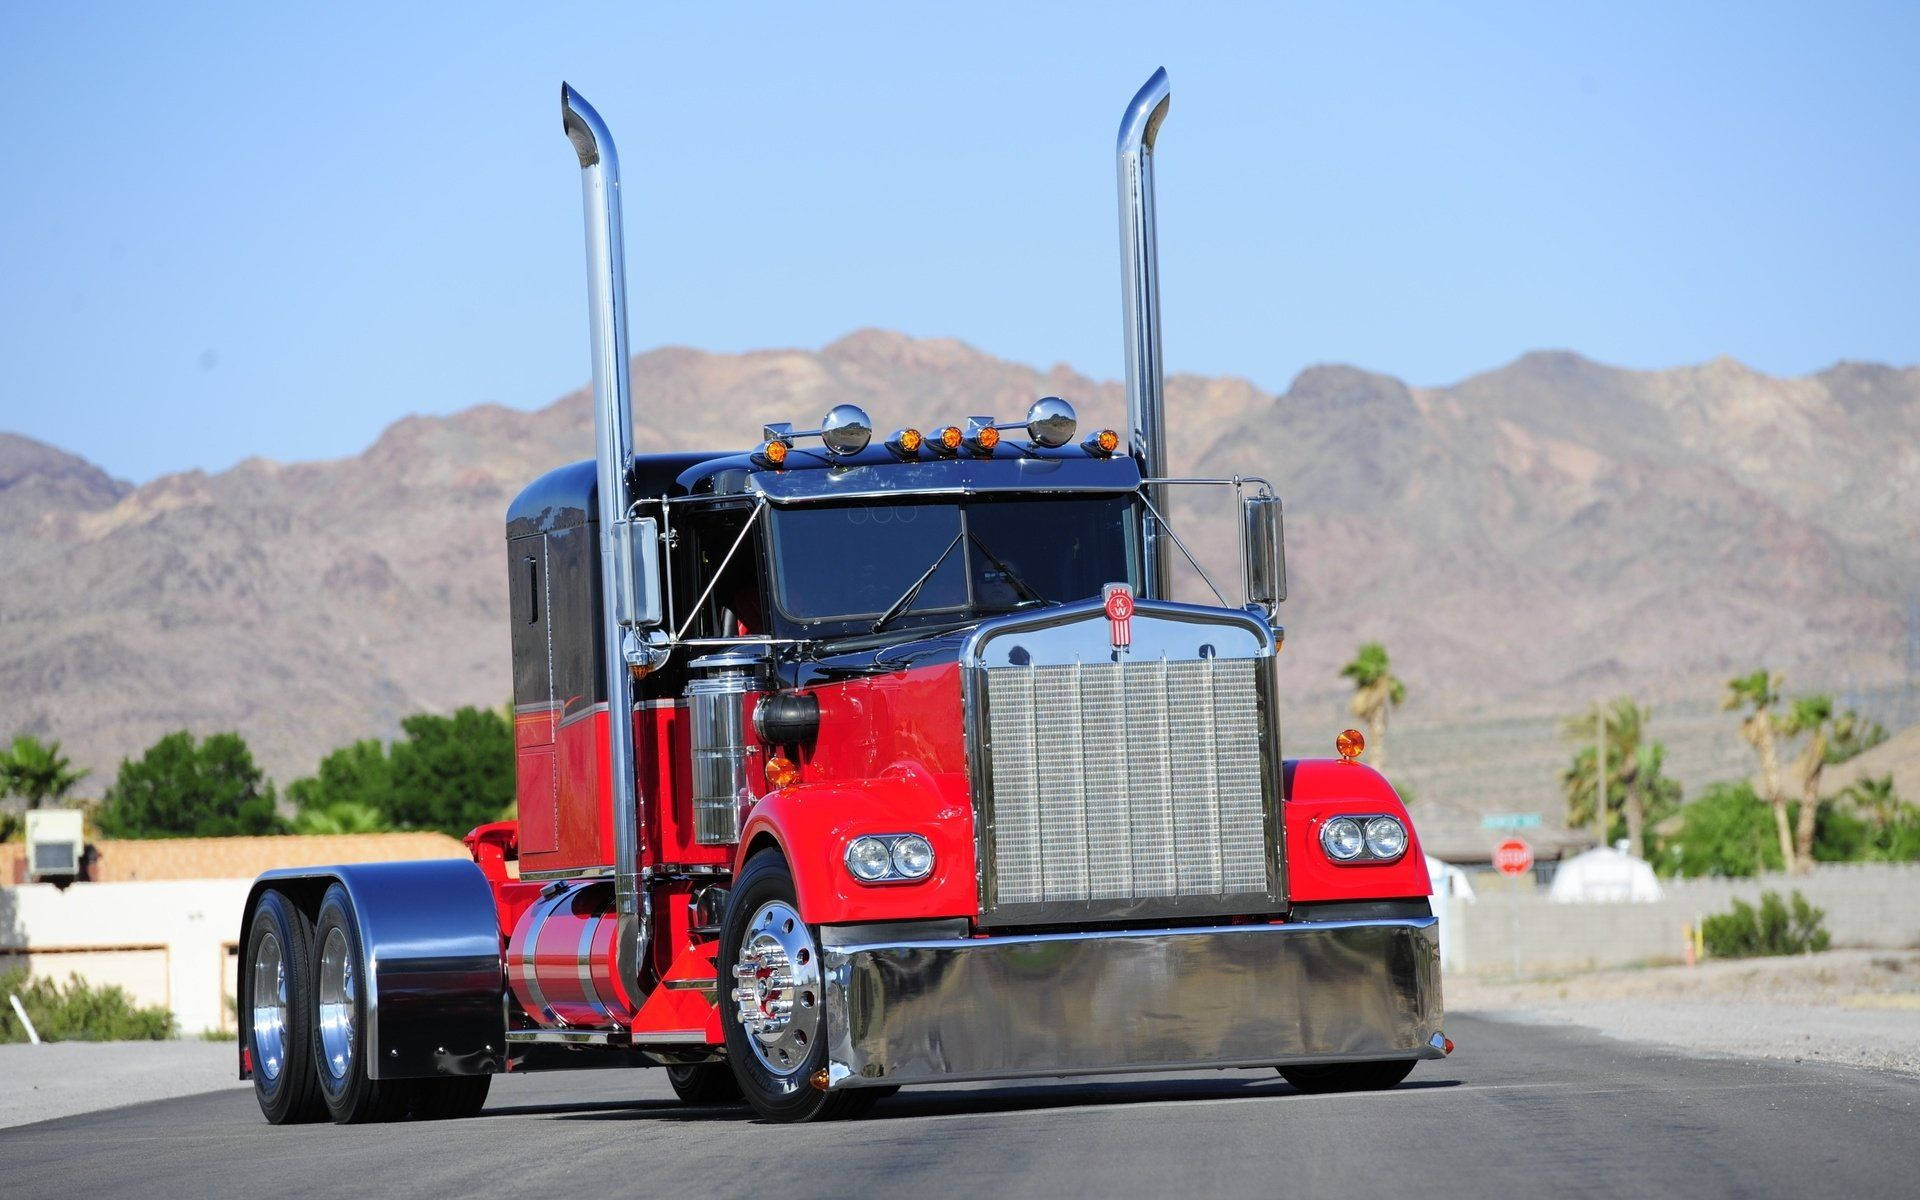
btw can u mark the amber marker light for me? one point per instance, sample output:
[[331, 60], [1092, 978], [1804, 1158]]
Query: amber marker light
[[984, 439], [905, 442], [781, 772], [772, 453], [1103, 443], [1350, 744], [948, 440]]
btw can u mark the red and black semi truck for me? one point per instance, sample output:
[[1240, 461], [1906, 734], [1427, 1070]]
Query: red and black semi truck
[[848, 763]]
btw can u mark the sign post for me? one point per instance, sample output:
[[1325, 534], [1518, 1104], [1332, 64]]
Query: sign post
[[1513, 858]]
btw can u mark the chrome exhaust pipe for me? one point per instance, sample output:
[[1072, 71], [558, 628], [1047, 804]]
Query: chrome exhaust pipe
[[613, 437], [1139, 262], [1140, 281]]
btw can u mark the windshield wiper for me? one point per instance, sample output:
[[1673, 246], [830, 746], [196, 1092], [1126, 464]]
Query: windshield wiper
[[1007, 573], [913, 589]]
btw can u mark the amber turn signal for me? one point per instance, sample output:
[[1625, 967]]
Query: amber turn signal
[[781, 772], [1350, 744]]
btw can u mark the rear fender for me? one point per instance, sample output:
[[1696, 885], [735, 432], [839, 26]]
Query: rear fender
[[430, 938], [1320, 789], [812, 824]]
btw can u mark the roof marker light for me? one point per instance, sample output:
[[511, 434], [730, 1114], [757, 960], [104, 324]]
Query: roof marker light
[[905, 443], [982, 435], [947, 441], [1102, 444]]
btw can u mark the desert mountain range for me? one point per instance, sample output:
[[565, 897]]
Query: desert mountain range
[[1523, 540]]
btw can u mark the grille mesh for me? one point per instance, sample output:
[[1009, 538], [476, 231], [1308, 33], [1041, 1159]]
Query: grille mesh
[[1125, 780]]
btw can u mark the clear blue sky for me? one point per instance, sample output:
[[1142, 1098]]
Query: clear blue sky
[[239, 232]]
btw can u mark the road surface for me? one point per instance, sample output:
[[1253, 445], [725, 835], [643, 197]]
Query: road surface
[[1519, 1110]]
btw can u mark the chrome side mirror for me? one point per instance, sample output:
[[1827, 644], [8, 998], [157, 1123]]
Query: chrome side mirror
[[637, 577], [1263, 545]]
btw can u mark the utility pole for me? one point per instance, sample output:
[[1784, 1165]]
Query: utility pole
[[1600, 771]]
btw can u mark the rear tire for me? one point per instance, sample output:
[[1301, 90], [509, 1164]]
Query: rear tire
[[775, 1069], [277, 1026], [1347, 1077], [705, 1084], [339, 1008]]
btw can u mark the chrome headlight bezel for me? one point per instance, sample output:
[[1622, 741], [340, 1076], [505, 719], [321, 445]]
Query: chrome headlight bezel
[[1334, 835], [893, 853], [1390, 827], [1365, 851]]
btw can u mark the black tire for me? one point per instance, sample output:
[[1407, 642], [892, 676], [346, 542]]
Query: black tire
[[352, 1096], [705, 1083], [454, 1098], [286, 1089], [1348, 1077], [787, 1097]]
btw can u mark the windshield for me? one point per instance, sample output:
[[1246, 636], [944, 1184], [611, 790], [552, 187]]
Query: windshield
[[839, 570]]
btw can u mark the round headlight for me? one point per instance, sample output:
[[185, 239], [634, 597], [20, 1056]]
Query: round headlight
[[913, 857], [1386, 837], [1341, 839], [868, 858]]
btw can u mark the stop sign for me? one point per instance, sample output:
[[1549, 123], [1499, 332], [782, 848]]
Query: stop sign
[[1513, 857]]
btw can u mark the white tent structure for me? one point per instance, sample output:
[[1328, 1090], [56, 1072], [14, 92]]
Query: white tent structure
[[1449, 884], [1606, 875]]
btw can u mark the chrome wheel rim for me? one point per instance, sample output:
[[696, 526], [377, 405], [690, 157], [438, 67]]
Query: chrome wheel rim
[[337, 990], [270, 1008], [777, 988]]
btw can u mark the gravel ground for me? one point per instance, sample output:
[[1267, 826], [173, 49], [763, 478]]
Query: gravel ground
[[1858, 1007], [59, 1079]]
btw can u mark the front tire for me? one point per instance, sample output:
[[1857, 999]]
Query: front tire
[[278, 1029], [770, 968], [1347, 1077], [340, 988]]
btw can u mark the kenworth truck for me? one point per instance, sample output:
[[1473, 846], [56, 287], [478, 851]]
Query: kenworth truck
[[847, 763]]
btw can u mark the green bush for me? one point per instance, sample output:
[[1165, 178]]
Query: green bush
[[77, 1011], [180, 788], [1776, 927]]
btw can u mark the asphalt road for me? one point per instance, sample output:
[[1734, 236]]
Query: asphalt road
[[1519, 1110]]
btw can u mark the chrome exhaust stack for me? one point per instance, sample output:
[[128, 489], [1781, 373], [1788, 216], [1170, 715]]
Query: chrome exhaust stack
[[1140, 282], [613, 437]]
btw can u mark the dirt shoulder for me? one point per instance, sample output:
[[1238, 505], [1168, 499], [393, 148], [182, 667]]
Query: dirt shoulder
[[1859, 1007]]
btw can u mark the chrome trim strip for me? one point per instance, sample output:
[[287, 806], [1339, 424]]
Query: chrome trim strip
[[1140, 1000], [583, 968], [603, 872]]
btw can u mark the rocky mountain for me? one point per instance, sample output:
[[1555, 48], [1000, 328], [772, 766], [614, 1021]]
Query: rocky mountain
[[1523, 540]]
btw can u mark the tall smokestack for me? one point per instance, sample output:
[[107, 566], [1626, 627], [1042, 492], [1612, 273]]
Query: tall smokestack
[[1140, 281], [613, 437]]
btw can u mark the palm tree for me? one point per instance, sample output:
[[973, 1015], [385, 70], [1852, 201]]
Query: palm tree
[[1755, 695], [36, 771], [1376, 689], [1813, 716], [1634, 770], [1875, 797]]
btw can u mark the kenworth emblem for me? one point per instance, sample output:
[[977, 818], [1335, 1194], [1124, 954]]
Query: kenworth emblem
[[1119, 613]]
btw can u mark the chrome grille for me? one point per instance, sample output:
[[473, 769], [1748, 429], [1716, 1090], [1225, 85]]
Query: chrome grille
[[1123, 781]]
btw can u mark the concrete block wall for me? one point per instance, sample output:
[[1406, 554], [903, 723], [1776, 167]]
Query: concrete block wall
[[1505, 932]]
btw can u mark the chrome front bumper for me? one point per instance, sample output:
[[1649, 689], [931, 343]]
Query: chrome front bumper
[[1149, 1000]]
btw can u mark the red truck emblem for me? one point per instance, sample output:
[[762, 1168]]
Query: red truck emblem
[[1119, 614]]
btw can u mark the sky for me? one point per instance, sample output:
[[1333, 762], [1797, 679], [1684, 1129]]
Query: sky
[[250, 230]]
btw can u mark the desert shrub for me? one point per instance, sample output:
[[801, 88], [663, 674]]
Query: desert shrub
[[77, 1011], [1776, 927]]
